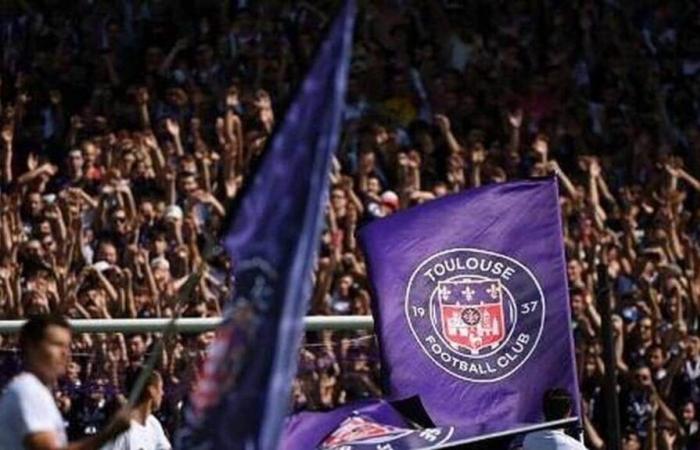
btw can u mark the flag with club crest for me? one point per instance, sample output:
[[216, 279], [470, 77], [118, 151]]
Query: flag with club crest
[[471, 305]]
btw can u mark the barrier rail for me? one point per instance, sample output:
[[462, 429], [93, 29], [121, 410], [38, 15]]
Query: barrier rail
[[191, 324]]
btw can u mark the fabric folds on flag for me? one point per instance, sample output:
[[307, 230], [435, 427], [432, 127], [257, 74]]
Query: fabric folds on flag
[[364, 425], [243, 394], [471, 305]]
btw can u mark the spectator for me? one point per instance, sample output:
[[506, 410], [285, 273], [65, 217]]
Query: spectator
[[556, 405], [145, 431], [28, 413]]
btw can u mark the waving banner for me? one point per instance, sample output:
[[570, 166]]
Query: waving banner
[[242, 398], [366, 425], [471, 305]]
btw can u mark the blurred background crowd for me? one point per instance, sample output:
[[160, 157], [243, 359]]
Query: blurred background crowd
[[127, 126]]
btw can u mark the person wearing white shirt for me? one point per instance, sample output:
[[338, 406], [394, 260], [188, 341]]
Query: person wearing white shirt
[[29, 417], [557, 405], [146, 433]]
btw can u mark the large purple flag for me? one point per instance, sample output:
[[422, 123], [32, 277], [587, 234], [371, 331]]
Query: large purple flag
[[471, 304], [243, 396]]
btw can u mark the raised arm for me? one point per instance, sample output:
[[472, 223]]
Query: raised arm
[[47, 169], [173, 128], [599, 213], [444, 125], [515, 121], [7, 136], [142, 98], [179, 46], [685, 176], [568, 185]]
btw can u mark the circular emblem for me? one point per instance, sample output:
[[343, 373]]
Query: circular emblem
[[471, 316], [364, 433], [477, 314]]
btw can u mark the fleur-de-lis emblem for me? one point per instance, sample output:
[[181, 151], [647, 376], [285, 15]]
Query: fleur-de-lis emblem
[[444, 292], [468, 293], [493, 291]]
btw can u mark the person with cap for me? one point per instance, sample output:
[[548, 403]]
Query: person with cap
[[29, 417]]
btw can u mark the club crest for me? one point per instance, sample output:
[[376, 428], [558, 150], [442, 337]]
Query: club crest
[[471, 313], [364, 433], [359, 430], [476, 314]]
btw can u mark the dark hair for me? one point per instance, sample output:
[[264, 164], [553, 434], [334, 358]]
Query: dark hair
[[143, 337], [33, 330], [132, 377], [556, 404], [656, 347]]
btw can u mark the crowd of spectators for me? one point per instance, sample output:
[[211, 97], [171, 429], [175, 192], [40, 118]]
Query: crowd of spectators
[[127, 126]]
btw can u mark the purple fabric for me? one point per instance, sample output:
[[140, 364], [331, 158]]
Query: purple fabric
[[241, 400], [306, 430], [366, 425], [471, 304]]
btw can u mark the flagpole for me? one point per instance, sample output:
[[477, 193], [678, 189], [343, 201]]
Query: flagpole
[[561, 423], [604, 297], [169, 331]]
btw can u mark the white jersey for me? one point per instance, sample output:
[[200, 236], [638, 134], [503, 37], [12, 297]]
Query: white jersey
[[551, 440], [27, 407], [148, 436]]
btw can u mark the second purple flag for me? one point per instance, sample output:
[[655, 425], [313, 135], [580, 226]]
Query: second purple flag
[[471, 304]]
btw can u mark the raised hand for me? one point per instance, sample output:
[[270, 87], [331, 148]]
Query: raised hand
[[49, 169], [541, 146], [366, 163], [478, 156], [219, 126], [181, 44], [32, 161], [414, 159], [515, 118], [594, 168], [142, 96], [142, 257], [55, 97], [673, 171], [149, 140], [262, 100], [23, 98], [669, 438], [232, 97], [172, 127], [443, 123], [195, 125], [76, 122], [7, 134]]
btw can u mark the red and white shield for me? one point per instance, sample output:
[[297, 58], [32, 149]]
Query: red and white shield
[[471, 313]]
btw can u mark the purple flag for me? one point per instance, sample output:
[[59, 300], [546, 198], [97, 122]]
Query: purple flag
[[471, 304], [365, 425], [243, 395]]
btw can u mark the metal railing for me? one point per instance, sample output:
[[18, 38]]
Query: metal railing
[[191, 324]]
